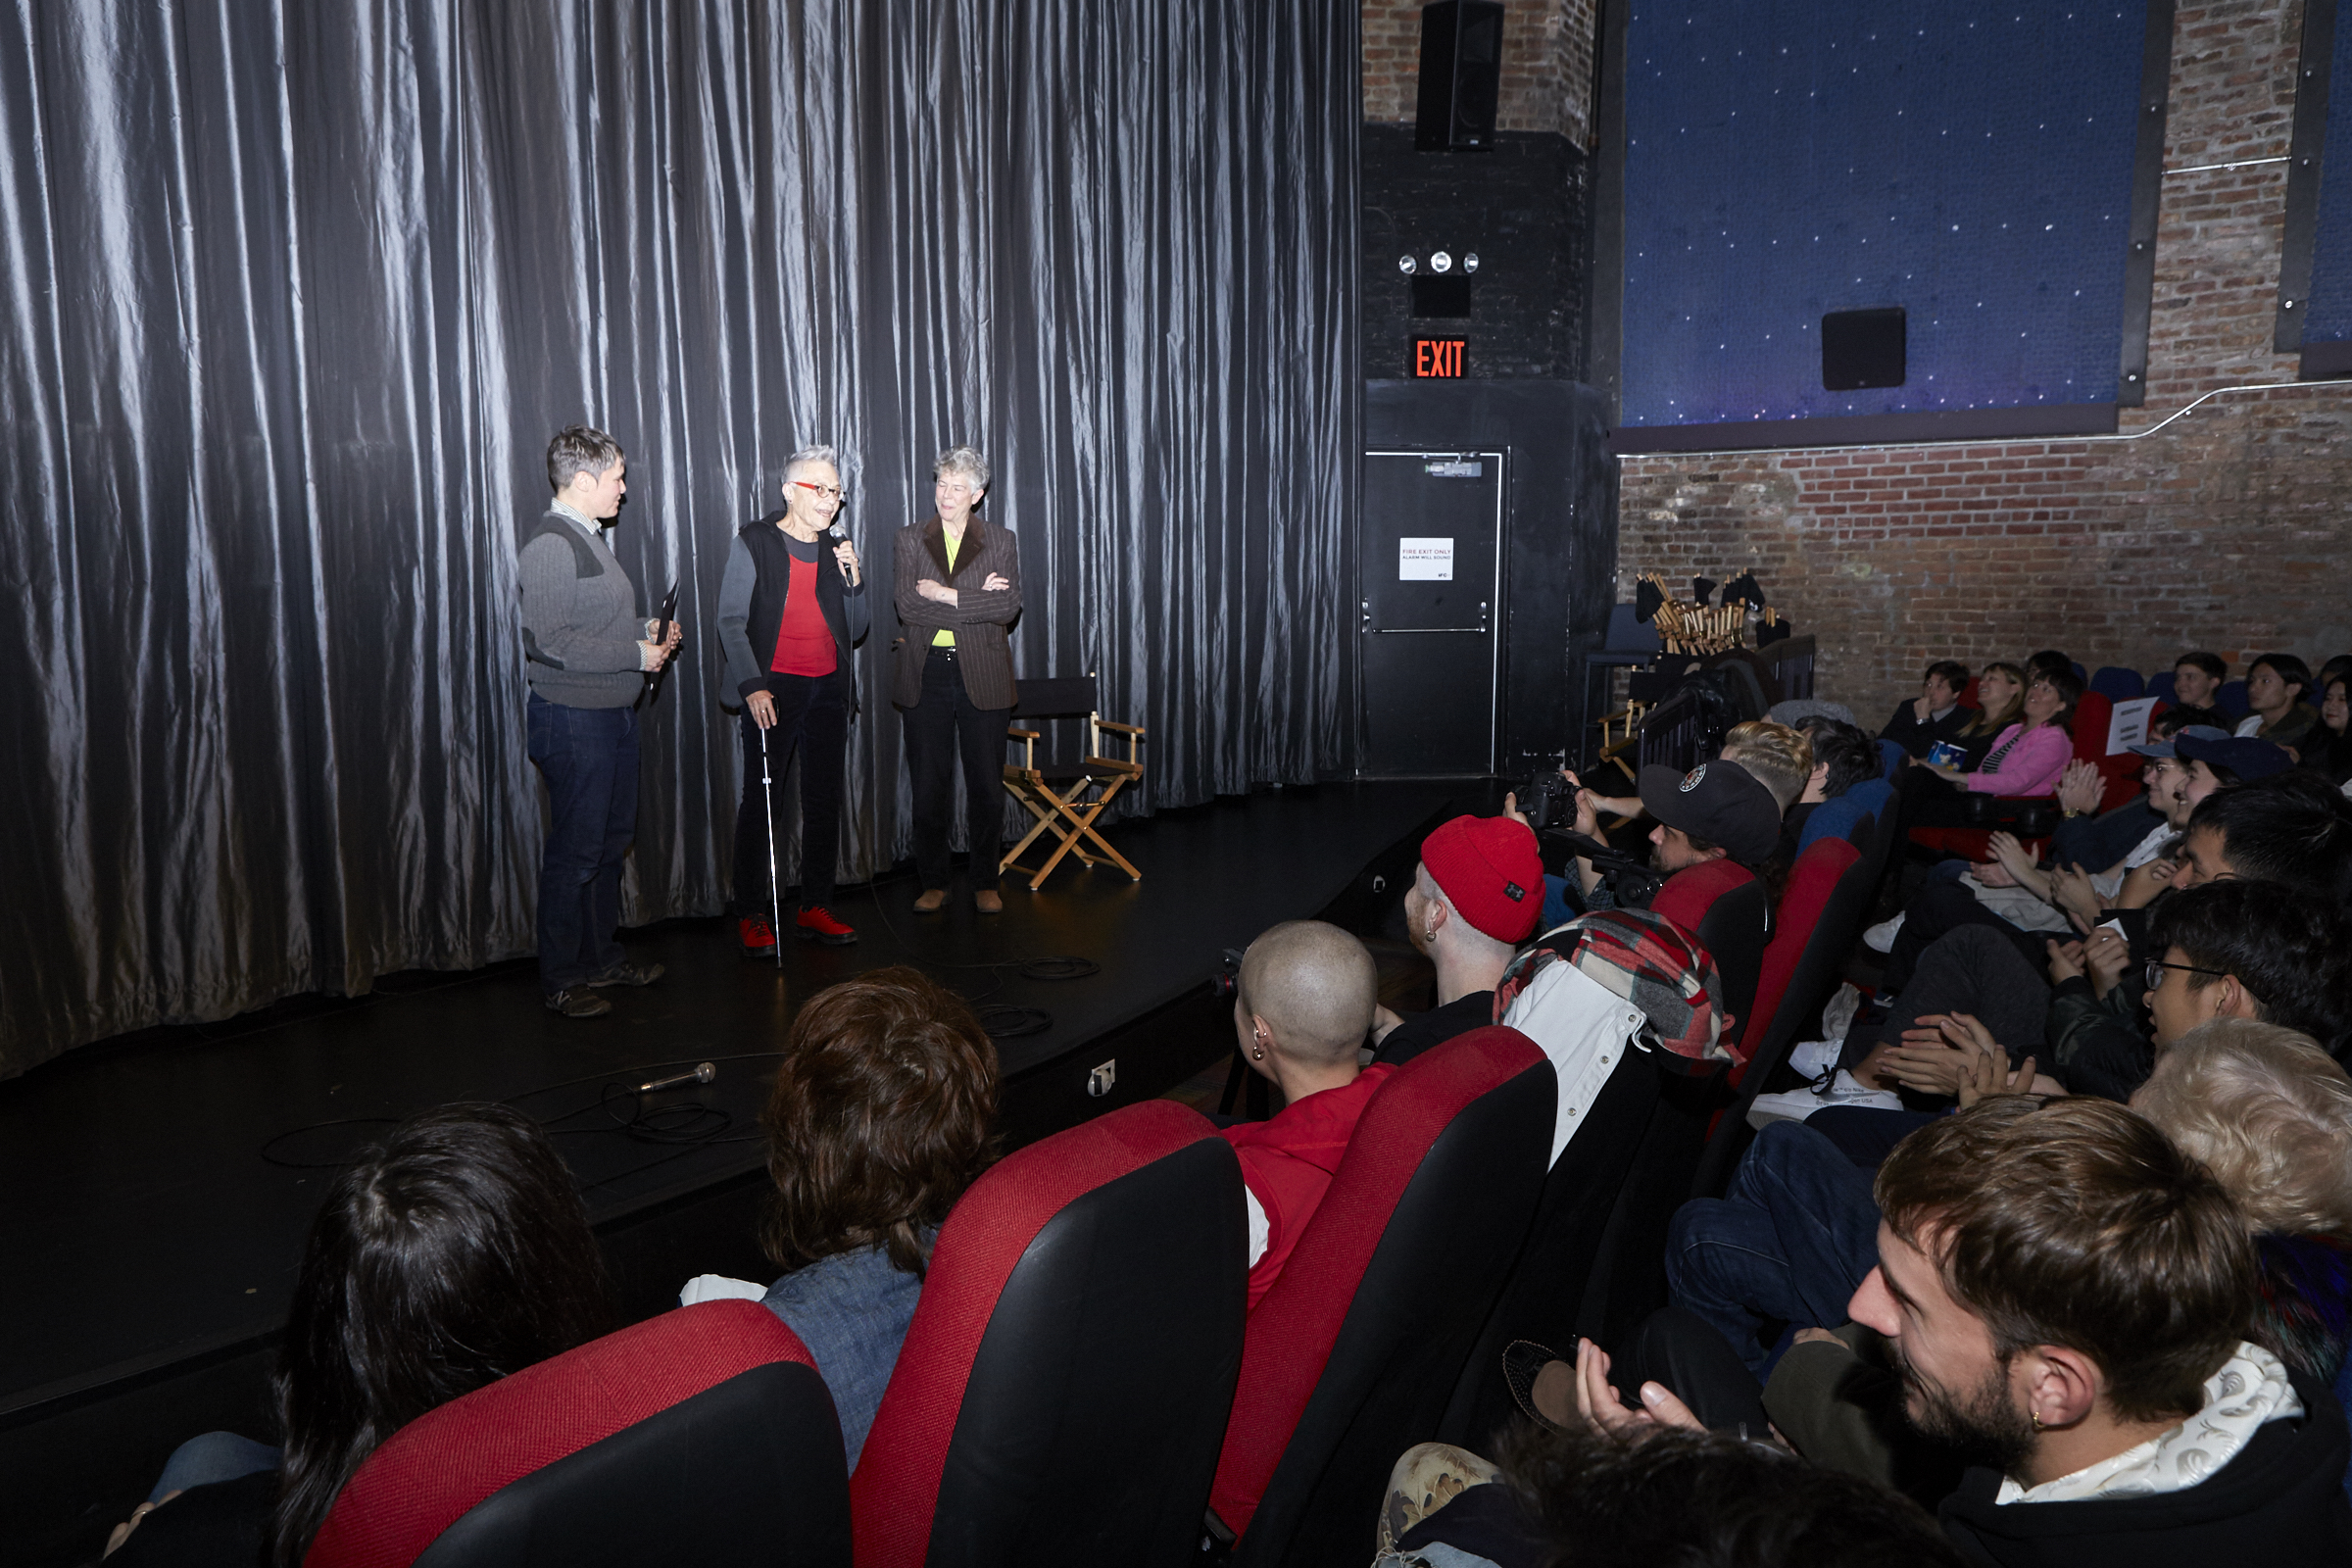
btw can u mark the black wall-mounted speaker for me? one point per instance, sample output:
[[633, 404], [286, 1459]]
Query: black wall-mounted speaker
[[1864, 348], [1462, 76]]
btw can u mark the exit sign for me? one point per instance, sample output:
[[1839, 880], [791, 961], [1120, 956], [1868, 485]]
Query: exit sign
[[1437, 358]]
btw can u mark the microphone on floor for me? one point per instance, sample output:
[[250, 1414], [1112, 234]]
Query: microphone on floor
[[701, 1075]]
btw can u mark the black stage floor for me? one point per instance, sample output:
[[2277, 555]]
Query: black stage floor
[[154, 1189]]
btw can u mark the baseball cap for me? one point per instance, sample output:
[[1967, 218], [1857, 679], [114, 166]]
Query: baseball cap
[[1489, 869], [1720, 801], [2203, 732], [2242, 754]]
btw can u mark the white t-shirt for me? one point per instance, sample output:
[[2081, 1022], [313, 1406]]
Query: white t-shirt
[[2251, 725]]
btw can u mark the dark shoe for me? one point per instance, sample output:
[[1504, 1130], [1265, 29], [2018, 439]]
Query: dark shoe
[[818, 925], [628, 974], [932, 902], [988, 902], [759, 937], [1522, 1359], [578, 1002]]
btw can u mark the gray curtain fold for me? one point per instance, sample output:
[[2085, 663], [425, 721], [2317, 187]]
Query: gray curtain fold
[[296, 293]]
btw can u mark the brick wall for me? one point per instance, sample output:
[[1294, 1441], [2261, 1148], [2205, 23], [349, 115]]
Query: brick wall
[[1546, 65], [2230, 528]]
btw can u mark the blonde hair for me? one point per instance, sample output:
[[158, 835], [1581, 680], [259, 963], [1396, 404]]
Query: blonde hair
[[2268, 1112], [1779, 757], [1988, 723]]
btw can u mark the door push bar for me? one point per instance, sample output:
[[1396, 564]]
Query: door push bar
[[1484, 616]]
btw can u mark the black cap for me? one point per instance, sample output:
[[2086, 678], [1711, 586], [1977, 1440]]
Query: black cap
[[1719, 802]]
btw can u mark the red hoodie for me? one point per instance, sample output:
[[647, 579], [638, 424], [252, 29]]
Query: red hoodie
[[1288, 1163]]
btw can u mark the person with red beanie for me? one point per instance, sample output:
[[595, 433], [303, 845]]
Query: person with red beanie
[[1475, 898]]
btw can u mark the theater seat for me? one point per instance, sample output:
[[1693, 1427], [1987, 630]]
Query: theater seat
[[1064, 1384], [1355, 1354], [2118, 684], [1823, 911], [2160, 685], [1811, 881], [704, 1434], [1722, 906]]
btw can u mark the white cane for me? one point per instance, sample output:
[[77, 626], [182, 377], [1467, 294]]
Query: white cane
[[775, 890]]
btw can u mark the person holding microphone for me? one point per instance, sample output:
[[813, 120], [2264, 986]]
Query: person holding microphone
[[958, 587], [791, 608]]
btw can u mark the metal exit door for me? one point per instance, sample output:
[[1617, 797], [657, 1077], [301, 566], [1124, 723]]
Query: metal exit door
[[1432, 658]]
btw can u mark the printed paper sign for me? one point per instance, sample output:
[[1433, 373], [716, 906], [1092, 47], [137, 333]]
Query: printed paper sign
[[2129, 725], [1425, 560]]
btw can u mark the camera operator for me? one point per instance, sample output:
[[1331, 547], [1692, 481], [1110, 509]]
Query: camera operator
[[1716, 811]]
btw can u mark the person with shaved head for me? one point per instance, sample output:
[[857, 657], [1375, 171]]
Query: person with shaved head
[[1302, 1008]]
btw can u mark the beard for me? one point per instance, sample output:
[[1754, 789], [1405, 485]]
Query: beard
[[1982, 1422]]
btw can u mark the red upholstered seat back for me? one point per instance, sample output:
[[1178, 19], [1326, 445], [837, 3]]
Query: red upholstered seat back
[[1720, 905], [1116, 1249], [428, 1476], [1811, 881], [1296, 1327]]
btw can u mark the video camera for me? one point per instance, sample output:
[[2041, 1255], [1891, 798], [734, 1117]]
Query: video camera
[[1227, 981]]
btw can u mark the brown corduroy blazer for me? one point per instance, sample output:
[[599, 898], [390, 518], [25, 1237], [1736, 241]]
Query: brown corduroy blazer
[[978, 619]]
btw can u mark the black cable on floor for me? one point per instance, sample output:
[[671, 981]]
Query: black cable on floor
[[998, 1021]]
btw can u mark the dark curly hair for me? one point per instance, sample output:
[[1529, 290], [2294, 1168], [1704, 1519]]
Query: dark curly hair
[[882, 1114]]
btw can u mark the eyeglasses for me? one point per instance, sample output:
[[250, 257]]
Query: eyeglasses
[[2157, 967], [831, 492]]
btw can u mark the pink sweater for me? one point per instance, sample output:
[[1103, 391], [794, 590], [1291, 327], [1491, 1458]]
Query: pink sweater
[[2023, 764]]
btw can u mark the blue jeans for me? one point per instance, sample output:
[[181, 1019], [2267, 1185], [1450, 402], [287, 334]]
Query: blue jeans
[[1791, 1244], [588, 756], [207, 1460]]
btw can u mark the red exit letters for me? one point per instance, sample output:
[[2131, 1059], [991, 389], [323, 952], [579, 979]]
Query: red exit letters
[[1437, 356]]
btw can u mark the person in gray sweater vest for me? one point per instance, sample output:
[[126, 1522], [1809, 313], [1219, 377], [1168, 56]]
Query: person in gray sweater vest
[[587, 652]]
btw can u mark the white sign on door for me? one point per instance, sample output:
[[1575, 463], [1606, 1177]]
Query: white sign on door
[[1425, 560]]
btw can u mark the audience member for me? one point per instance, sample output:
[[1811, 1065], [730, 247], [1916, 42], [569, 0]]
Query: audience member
[[1475, 897], [2001, 703], [2066, 1294], [2086, 836], [2253, 950], [2197, 679], [2328, 750], [1845, 785], [2269, 1114], [2277, 688], [1779, 757], [1934, 714], [2028, 757], [1303, 1006], [2050, 662], [1715, 812], [882, 1114], [454, 1254]]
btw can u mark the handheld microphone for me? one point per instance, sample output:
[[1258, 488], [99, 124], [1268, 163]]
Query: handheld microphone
[[701, 1075]]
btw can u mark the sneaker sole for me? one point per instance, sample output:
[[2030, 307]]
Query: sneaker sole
[[827, 938]]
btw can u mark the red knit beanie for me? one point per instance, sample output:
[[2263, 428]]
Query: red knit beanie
[[1488, 865]]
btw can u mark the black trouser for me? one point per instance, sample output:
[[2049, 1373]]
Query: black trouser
[[1943, 907], [812, 714], [940, 729]]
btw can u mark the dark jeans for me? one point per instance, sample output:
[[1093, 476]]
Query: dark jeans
[[2096, 843], [588, 756], [942, 729], [1942, 907], [812, 714], [1789, 1244]]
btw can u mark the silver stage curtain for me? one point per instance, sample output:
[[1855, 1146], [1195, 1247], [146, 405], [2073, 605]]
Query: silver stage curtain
[[295, 294]]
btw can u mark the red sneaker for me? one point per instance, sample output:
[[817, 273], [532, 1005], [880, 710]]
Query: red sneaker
[[818, 925], [759, 937]]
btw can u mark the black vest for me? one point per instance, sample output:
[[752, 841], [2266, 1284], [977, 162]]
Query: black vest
[[772, 564]]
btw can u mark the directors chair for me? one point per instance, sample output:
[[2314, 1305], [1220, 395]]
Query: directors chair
[[1067, 797]]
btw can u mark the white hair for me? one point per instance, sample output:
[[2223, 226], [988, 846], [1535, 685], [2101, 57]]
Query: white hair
[[966, 461], [808, 455]]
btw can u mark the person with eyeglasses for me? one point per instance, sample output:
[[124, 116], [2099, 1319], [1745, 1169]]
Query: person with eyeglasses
[[791, 608], [957, 587]]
